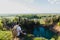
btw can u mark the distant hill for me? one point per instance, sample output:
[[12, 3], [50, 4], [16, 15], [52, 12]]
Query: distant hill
[[13, 14]]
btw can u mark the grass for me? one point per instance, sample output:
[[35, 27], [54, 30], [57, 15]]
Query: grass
[[40, 38], [6, 35]]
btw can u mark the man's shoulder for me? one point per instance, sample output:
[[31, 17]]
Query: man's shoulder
[[18, 27]]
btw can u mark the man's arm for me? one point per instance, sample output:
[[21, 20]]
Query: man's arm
[[22, 32]]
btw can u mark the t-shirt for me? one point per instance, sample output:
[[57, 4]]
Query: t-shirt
[[18, 30]]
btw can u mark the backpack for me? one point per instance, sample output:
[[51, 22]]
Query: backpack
[[14, 31]]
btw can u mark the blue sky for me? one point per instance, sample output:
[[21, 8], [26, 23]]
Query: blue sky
[[29, 6]]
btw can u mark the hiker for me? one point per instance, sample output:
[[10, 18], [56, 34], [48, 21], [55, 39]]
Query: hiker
[[16, 32]]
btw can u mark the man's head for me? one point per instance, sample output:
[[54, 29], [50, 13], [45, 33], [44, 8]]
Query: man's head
[[18, 23]]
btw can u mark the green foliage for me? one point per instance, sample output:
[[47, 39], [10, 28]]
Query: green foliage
[[1, 25], [58, 23], [40, 38], [26, 21], [5, 35]]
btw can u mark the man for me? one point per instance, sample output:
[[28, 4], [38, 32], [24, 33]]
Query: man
[[16, 32]]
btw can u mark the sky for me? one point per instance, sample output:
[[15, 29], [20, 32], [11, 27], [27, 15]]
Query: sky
[[29, 6]]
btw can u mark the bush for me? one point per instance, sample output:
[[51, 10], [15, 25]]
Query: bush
[[5, 35], [40, 38]]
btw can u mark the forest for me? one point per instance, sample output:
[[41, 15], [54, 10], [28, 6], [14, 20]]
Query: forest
[[37, 26]]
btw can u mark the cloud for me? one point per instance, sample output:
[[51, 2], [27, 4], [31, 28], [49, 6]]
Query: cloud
[[54, 1], [30, 1], [18, 6], [11, 7], [14, 7], [7, 6]]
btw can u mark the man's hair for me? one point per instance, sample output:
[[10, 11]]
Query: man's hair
[[17, 23]]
